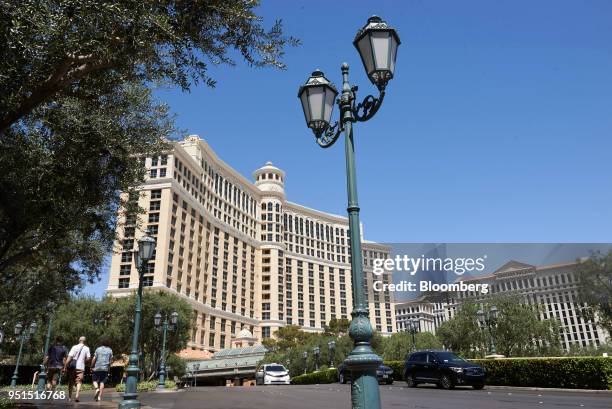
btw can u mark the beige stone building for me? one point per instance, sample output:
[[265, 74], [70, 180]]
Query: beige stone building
[[552, 287], [239, 252]]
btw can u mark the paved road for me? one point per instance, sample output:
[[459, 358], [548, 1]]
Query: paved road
[[336, 396]]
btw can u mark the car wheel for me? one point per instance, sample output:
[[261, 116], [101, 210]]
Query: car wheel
[[341, 378], [410, 381], [479, 386], [446, 382]]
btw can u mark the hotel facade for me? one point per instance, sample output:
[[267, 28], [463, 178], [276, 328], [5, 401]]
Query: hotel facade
[[239, 252], [553, 287]]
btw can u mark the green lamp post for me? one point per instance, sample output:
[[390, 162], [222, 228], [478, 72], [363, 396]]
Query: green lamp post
[[146, 248], [413, 328], [377, 44], [488, 320], [163, 327], [22, 335], [42, 375]]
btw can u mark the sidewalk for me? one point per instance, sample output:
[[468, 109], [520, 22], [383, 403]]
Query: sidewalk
[[537, 389], [110, 399]]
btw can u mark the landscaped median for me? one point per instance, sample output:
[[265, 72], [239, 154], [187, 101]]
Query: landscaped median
[[146, 386], [568, 373], [324, 376]]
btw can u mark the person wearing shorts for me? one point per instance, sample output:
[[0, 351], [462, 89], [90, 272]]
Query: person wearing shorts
[[102, 358], [55, 360], [79, 353]]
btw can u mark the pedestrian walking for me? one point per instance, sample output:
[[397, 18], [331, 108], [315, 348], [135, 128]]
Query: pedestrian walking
[[55, 361], [75, 367], [102, 359]]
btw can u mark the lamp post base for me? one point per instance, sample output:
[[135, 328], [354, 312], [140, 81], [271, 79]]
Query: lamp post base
[[363, 363], [42, 380], [129, 404]]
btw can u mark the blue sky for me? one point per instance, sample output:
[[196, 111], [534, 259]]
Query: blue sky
[[497, 127]]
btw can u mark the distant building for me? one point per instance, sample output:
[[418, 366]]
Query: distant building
[[239, 252], [554, 287]]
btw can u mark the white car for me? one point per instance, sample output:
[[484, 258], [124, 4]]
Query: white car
[[272, 374]]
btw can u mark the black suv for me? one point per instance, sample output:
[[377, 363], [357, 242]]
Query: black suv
[[443, 368], [384, 374]]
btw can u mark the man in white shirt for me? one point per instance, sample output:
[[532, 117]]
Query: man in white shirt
[[75, 365]]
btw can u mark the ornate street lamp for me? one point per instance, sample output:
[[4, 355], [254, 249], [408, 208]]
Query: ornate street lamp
[[331, 345], [22, 335], [377, 45], [413, 328], [196, 368], [305, 356], [487, 320], [164, 329], [316, 352], [146, 247], [42, 375]]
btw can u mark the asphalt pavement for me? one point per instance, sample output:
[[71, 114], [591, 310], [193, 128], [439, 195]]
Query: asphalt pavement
[[336, 396]]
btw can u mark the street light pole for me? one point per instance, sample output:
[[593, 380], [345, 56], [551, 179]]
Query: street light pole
[[331, 345], [412, 327], [305, 355], [377, 45], [164, 328], [146, 246], [23, 335], [42, 375], [488, 321]]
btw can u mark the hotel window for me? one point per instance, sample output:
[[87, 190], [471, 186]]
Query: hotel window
[[153, 173], [162, 172], [164, 159], [156, 194], [265, 332], [125, 269], [147, 281], [126, 257], [155, 205], [124, 282], [154, 218]]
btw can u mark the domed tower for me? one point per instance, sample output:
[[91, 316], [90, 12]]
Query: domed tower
[[271, 179], [271, 182]]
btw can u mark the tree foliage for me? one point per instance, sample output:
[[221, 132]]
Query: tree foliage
[[399, 345], [113, 318], [518, 330], [595, 288], [75, 111]]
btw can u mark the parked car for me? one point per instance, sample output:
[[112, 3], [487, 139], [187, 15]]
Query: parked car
[[383, 373], [444, 368], [272, 374]]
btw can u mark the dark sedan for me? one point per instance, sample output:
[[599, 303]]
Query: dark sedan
[[383, 373]]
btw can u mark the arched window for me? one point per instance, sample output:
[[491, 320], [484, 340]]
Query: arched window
[[263, 206], [269, 206], [278, 207]]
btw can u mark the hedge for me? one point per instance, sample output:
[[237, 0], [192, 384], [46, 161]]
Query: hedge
[[325, 376], [570, 372], [146, 386]]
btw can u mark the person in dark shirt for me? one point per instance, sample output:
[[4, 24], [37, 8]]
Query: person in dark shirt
[[55, 361]]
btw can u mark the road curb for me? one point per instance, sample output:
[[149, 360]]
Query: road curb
[[537, 389]]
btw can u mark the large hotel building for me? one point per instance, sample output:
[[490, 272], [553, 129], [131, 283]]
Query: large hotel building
[[553, 287], [239, 252]]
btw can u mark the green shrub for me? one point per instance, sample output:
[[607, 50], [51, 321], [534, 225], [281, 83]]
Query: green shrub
[[6, 403], [571, 372], [398, 369], [325, 376], [146, 386]]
